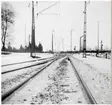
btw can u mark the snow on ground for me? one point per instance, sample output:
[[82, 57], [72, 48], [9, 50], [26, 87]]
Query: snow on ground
[[12, 79], [47, 86], [96, 73], [101, 64], [44, 55], [21, 57], [101, 55], [57, 84], [12, 67]]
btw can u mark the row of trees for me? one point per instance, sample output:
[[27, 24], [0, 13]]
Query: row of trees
[[7, 20], [38, 48]]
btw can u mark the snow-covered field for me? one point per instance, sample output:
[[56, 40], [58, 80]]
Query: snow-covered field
[[97, 74], [21, 57], [101, 64]]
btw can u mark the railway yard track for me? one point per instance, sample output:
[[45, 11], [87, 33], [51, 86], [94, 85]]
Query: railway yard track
[[19, 63], [53, 81], [23, 66]]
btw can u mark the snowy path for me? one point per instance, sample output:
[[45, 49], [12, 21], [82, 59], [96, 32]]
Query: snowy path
[[57, 84]]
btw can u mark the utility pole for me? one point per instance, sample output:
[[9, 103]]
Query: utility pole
[[62, 44], [33, 27], [25, 36], [71, 40], [98, 36], [29, 44], [85, 28], [52, 41], [33, 31], [84, 39]]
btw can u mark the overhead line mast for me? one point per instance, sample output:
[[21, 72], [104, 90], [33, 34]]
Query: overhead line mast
[[85, 28], [52, 41], [33, 27], [71, 40], [84, 39], [98, 36], [33, 31]]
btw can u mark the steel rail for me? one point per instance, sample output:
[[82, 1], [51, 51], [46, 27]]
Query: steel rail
[[44, 58], [85, 87], [11, 91], [18, 63], [39, 63], [26, 61]]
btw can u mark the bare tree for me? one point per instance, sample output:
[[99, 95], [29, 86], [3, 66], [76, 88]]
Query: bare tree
[[7, 19]]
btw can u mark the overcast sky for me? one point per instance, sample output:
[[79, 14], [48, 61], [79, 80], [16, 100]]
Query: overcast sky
[[71, 17]]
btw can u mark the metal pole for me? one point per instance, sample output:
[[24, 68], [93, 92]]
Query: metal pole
[[29, 44], [62, 44], [33, 31], [71, 40], [80, 41], [25, 36], [84, 39], [98, 36], [52, 41], [101, 45]]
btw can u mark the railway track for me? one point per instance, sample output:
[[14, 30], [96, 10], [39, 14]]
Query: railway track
[[83, 83], [13, 76], [12, 90], [63, 79], [10, 79], [23, 67], [19, 63]]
